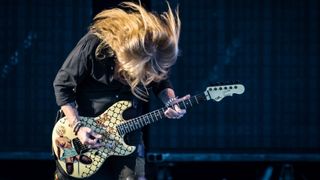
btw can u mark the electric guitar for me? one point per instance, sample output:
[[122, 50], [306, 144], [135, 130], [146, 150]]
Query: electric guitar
[[79, 161]]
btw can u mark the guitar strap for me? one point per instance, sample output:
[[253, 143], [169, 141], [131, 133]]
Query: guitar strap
[[59, 115]]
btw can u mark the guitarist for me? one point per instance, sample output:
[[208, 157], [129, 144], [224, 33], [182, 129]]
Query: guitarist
[[126, 53]]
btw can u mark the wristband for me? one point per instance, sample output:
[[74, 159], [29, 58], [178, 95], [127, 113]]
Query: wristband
[[77, 127]]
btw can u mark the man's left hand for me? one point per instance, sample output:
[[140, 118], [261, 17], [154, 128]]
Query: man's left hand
[[174, 111]]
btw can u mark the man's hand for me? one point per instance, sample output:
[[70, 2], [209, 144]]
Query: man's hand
[[88, 137], [175, 112]]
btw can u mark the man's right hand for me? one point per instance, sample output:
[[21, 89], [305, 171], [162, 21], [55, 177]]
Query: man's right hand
[[88, 137]]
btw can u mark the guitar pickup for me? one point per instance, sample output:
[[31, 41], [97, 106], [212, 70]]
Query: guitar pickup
[[79, 147]]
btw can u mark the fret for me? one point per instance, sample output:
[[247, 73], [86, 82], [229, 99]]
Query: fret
[[129, 126], [126, 127], [184, 105], [133, 122], [196, 99], [134, 125], [151, 117], [146, 119], [149, 120], [122, 130], [119, 129], [190, 102], [139, 125], [163, 111], [160, 114], [142, 120], [155, 115], [138, 121]]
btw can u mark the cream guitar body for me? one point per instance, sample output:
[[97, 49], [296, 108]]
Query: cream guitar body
[[68, 148]]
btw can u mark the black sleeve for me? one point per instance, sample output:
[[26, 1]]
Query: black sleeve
[[74, 69], [157, 87]]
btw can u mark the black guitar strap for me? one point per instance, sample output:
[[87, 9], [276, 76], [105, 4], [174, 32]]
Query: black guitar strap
[[59, 115]]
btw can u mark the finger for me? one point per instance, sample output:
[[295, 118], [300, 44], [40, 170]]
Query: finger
[[186, 97], [176, 102], [167, 113], [91, 141], [97, 145], [179, 110], [183, 98], [173, 113], [170, 113], [95, 135]]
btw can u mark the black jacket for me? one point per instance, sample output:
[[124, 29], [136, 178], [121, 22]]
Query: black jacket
[[88, 81]]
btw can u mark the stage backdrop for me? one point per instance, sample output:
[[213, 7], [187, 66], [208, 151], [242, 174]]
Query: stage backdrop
[[272, 47], [36, 36]]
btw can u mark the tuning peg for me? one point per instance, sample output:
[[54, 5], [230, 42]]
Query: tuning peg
[[231, 82], [216, 84], [219, 83]]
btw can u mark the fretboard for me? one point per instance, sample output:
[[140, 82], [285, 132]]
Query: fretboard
[[154, 116]]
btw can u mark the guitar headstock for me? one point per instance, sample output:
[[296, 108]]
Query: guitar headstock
[[218, 92]]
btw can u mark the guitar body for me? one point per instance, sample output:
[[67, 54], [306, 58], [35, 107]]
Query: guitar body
[[79, 161]]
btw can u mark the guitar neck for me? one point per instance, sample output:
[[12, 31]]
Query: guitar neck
[[154, 116]]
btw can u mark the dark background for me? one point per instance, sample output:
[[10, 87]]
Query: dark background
[[271, 47]]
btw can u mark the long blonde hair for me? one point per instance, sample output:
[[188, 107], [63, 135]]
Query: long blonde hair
[[145, 44]]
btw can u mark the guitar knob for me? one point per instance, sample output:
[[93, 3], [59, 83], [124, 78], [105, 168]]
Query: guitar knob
[[111, 145]]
